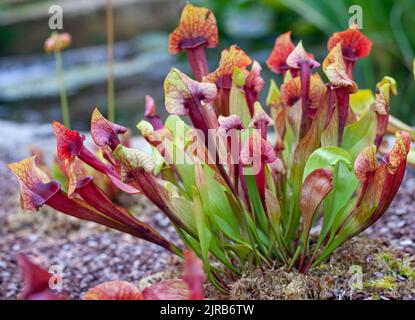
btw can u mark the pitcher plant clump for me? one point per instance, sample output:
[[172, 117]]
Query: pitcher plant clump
[[243, 185]]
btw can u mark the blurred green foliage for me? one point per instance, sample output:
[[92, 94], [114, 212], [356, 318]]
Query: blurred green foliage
[[388, 23]]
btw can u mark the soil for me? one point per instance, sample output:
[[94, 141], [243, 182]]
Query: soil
[[91, 254], [363, 268]]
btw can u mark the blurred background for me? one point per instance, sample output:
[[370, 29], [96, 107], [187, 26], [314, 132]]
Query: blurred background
[[29, 91]]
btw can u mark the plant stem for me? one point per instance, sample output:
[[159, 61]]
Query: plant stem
[[294, 258], [198, 63], [305, 90], [110, 57], [62, 91], [342, 96]]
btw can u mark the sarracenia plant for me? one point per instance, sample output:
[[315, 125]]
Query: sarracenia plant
[[235, 192]]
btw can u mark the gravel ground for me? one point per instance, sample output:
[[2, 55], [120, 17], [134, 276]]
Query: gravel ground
[[397, 226], [91, 254], [85, 262]]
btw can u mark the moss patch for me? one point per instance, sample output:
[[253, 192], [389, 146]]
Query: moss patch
[[278, 284]]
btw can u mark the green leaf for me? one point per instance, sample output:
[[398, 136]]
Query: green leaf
[[393, 86], [237, 100], [329, 137], [292, 135], [327, 157], [182, 161], [361, 101], [294, 119], [179, 129], [360, 134], [344, 182], [203, 232], [158, 160], [221, 212], [216, 203], [288, 76], [59, 175], [260, 239], [256, 202], [208, 242], [344, 179], [303, 150], [274, 95], [288, 143], [241, 250], [184, 210], [342, 215], [193, 244]]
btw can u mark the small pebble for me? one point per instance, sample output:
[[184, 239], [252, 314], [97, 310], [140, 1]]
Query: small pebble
[[406, 242]]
